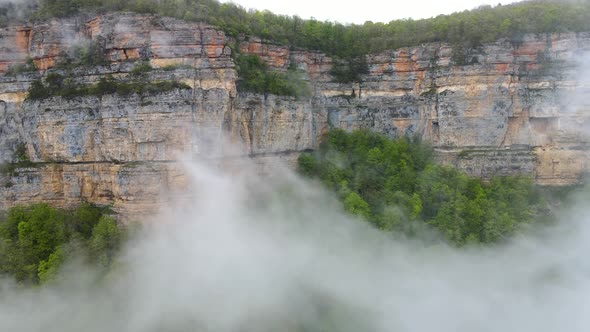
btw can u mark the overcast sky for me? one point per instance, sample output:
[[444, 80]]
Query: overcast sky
[[359, 11]]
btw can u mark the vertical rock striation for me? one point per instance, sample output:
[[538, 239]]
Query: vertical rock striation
[[512, 110]]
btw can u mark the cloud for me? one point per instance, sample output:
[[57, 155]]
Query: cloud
[[252, 254]]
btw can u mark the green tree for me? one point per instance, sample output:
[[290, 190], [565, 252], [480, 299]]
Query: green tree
[[354, 204], [105, 241], [36, 240], [37, 90], [48, 269]]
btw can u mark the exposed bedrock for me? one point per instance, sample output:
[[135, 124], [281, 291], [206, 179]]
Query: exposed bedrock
[[515, 109]]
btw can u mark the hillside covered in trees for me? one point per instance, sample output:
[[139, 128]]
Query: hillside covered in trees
[[36, 240], [469, 28], [397, 186]]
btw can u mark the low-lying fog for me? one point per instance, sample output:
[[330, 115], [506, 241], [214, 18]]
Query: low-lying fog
[[277, 254]]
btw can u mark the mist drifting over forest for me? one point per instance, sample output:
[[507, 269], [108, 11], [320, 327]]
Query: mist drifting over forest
[[242, 252], [250, 254]]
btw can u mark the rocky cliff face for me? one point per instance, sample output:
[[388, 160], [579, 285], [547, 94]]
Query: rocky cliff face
[[514, 109], [509, 111]]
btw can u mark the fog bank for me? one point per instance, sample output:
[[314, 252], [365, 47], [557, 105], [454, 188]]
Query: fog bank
[[252, 254]]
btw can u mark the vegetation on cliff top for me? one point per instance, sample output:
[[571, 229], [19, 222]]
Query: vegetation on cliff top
[[255, 76], [396, 186], [468, 28], [348, 43]]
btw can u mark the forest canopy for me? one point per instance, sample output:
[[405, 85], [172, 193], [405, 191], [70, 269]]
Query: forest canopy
[[35, 240], [397, 186]]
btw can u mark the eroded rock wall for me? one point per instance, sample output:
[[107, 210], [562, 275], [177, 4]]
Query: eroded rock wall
[[514, 109]]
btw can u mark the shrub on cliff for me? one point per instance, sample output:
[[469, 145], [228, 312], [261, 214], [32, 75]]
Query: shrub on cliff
[[52, 85], [141, 69], [37, 90], [85, 54], [397, 186], [349, 70], [27, 67], [19, 160], [66, 87], [255, 76], [141, 88], [106, 85]]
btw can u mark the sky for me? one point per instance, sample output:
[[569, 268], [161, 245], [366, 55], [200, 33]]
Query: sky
[[365, 10]]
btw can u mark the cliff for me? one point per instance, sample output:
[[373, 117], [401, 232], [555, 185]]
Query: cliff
[[510, 110]]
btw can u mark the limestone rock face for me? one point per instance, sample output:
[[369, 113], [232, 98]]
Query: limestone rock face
[[514, 109]]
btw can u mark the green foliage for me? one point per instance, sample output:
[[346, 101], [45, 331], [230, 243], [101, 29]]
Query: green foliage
[[348, 43], [355, 204], [468, 28], [105, 241], [20, 159], [58, 85], [173, 67], [37, 91], [28, 67], [141, 69], [148, 88], [349, 70], [255, 76], [89, 54], [395, 185], [84, 218], [458, 55], [48, 270], [36, 240], [15, 10], [307, 164], [54, 84], [20, 153], [105, 86], [59, 8]]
